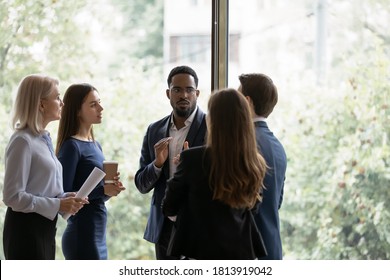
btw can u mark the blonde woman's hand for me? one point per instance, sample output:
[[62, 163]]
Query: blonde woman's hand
[[70, 194], [71, 204]]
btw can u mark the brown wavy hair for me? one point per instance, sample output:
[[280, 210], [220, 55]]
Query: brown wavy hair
[[237, 169]]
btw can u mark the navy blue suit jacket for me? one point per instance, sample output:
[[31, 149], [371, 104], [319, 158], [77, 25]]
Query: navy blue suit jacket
[[267, 218], [207, 228], [146, 178]]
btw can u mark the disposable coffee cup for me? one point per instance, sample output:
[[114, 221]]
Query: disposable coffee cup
[[110, 167]]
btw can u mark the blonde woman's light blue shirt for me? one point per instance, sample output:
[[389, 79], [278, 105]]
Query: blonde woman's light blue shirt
[[33, 175]]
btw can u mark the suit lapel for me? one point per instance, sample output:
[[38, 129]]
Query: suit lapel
[[195, 127], [165, 133]]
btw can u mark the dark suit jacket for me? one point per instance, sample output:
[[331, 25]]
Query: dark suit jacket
[[267, 218], [206, 228], [146, 178]]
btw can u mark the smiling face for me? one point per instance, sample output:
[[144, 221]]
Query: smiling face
[[183, 95], [91, 109], [51, 107]]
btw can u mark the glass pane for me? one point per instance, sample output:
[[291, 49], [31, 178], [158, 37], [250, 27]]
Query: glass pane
[[187, 40], [329, 60], [330, 63]]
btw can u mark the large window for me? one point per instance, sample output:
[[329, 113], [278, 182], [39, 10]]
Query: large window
[[329, 60], [193, 48], [197, 48]]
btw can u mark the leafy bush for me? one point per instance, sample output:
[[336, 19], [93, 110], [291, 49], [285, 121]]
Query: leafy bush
[[337, 204]]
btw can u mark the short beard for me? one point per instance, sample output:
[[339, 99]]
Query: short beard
[[185, 113]]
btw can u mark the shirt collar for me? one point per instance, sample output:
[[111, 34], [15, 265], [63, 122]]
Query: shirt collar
[[189, 120], [259, 119]]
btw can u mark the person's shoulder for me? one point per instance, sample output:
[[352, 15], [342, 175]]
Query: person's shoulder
[[198, 150], [70, 148], [193, 156], [17, 138], [26, 132], [98, 144], [70, 144], [159, 122], [262, 128], [23, 134], [24, 138], [268, 140], [200, 113], [70, 141]]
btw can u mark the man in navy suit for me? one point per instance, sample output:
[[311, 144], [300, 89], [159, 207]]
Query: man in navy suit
[[262, 95], [164, 139]]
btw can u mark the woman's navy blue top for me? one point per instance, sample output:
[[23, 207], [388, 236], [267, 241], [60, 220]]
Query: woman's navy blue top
[[85, 235]]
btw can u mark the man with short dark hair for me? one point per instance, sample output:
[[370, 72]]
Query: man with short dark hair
[[164, 139], [262, 96]]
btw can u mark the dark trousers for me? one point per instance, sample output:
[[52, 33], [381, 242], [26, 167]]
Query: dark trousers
[[28, 236], [162, 244]]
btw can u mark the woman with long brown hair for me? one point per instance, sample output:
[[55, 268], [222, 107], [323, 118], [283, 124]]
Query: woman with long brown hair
[[216, 187], [79, 153]]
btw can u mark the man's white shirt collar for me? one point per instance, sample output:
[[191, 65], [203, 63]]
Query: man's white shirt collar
[[259, 119], [189, 120]]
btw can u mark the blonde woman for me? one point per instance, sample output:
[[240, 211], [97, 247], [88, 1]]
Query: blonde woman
[[33, 176]]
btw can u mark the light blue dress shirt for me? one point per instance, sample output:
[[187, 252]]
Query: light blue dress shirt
[[33, 175]]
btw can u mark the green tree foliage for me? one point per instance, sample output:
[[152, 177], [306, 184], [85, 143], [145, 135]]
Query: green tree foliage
[[63, 39], [38, 36], [337, 197], [131, 102], [140, 34], [338, 187], [337, 138]]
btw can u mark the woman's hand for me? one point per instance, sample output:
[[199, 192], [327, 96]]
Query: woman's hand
[[176, 159], [71, 204], [115, 188]]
